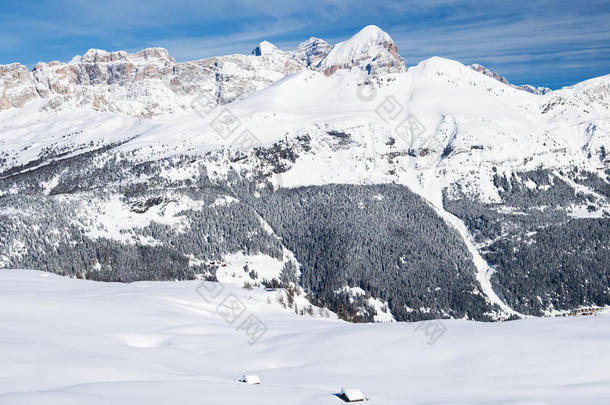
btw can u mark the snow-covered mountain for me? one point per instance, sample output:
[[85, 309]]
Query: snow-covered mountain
[[371, 50], [150, 82], [383, 192]]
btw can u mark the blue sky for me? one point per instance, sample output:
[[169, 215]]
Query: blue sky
[[548, 43]]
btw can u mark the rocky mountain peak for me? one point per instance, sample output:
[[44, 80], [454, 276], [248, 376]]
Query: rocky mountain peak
[[371, 50], [311, 52], [265, 48]]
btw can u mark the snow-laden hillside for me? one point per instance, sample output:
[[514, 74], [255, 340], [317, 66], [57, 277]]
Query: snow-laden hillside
[[128, 153], [67, 341]]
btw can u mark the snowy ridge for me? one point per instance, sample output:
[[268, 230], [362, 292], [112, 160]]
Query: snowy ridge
[[525, 87]]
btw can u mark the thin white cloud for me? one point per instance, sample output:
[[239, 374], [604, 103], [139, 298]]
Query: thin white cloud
[[523, 48], [193, 48]]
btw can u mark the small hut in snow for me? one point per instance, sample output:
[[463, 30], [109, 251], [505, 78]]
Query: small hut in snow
[[351, 395], [250, 379]]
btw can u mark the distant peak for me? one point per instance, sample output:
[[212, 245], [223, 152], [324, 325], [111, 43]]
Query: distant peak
[[371, 49], [265, 48], [370, 33]]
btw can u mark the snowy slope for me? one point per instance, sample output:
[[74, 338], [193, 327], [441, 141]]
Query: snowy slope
[[68, 341]]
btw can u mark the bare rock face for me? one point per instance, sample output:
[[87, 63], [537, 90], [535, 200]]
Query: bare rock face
[[17, 86], [371, 50], [150, 82], [108, 81], [99, 67]]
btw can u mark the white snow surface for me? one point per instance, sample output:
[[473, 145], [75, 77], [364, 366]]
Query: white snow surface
[[232, 268], [66, 341]]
